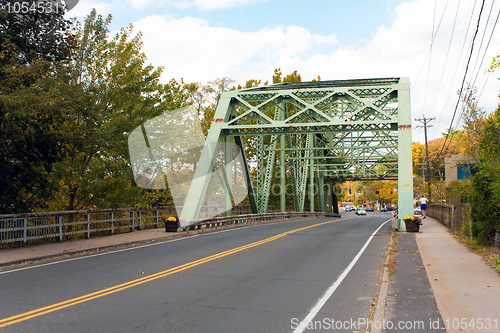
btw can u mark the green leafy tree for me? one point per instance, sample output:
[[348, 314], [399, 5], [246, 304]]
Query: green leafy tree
[[122, 92], [33, 49], [485, 196]]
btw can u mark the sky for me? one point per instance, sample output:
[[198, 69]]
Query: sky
[[438, 45]]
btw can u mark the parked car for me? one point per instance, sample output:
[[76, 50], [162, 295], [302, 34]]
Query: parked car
[[384, 209], [369, 209], [350, 209], [417, 211], [361, 211]]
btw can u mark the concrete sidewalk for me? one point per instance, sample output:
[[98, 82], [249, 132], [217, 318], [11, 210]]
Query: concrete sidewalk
[[466, 289]]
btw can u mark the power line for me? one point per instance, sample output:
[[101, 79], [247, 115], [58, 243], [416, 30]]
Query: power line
[[444, 67], [433, 37], [484, 55], [463, 81]]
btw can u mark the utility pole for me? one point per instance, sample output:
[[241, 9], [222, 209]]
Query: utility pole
[[423, 175], [425, 122]]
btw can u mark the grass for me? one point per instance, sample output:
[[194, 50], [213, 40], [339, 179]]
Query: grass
[[487, 252], [391, 262], [473, 245], [495, 261]]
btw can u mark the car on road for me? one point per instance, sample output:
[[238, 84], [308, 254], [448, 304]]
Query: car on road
[[350, 209], [361, 211], [384, 209], [369, 209]]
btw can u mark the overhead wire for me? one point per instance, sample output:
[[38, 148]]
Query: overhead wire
[[433, 37], [463, 38], [471, 87], [458, 65], [445, 65], [463, 80], [484, 54], [481, 45]]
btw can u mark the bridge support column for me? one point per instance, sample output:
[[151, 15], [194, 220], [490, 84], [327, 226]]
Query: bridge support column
[[228, 171], [282, 163], [311, 175], [405, 166]]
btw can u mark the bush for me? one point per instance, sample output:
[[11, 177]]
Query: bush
[[485, 196]]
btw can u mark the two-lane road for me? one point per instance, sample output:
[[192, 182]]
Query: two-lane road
[[263, 278]]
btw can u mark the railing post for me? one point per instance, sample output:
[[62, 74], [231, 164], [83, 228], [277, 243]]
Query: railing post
[[132, 221], [156, 218], [25, 231], [60, 226], [139, 220], [111, 223], [87, 226]]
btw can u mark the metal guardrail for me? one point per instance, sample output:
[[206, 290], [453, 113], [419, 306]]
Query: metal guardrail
[[23, 229], [36, 228], [452, 216], [255, 218]]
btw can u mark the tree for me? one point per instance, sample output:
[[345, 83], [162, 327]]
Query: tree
[[485, 196], [36, 35], [475, 120], [122, 92], [33, 49], [292, 77]]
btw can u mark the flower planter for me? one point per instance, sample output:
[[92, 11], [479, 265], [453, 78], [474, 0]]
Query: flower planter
[[412, 223], [171, 224]]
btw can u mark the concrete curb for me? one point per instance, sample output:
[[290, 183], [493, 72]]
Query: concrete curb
[[378, 316]]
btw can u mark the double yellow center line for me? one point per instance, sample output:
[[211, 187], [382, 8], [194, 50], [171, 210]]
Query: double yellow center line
[[85, 298]]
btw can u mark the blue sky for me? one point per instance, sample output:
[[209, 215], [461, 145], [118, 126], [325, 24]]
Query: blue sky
[[201, 40]]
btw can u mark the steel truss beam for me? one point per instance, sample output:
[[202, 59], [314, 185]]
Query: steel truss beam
[[350, 129]]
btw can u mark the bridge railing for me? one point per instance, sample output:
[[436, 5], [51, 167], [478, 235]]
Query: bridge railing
[[47, 227], [456, 218]]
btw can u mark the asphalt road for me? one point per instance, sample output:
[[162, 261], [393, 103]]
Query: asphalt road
[[263, 278]]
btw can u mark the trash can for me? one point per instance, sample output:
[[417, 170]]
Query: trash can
[[171, 224], [412, 223]]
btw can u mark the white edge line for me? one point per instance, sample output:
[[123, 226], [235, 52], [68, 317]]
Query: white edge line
[[329, 292]]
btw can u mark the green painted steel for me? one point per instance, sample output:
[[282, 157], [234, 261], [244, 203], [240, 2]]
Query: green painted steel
[[325, 132]]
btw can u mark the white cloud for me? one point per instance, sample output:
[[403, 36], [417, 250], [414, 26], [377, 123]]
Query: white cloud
[[185, 4], [193, 49], [141, 4], [83, 8], [214, 4]]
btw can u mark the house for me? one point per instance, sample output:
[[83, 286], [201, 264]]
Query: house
[[459, 167]]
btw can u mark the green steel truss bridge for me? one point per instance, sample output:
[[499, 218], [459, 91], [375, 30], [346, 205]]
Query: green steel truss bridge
[[310, 134]]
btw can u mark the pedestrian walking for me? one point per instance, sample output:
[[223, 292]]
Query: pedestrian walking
[[423, 206]]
